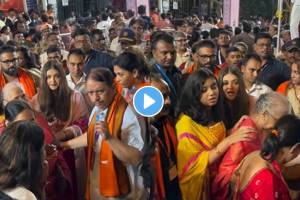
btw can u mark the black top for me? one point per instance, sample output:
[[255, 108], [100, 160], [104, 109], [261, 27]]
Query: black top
[[273, 73], [97, 59]]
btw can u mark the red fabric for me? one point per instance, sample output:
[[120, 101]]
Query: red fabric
[[51, 193], [232, 159], [5, 5], [219, 68], [266, 185], [43, 123]]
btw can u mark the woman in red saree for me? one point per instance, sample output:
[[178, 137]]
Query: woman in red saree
[[259, 174], [269, 108]]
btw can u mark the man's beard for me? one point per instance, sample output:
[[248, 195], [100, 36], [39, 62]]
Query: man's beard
[[12, 71]]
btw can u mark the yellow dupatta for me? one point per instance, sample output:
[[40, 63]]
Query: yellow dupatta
[[194, 143]]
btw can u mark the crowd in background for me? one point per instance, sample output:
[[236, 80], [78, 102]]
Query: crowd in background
[[68, 128]]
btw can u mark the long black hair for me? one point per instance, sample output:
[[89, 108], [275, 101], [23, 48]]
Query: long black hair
[[13, 108], [22, 156], [130, 61], [190, 104], [285, 134], [240, 105]]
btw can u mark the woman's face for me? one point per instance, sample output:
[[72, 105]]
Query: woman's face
[[53, 79], [295, 74], [210, 93], [230, 86], [124, 77], [25, 115]]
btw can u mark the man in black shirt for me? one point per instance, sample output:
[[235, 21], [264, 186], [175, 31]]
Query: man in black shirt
[[94, 58], [273, 71], [164, 55]]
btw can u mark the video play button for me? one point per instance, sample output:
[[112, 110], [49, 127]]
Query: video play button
[[148, 101]]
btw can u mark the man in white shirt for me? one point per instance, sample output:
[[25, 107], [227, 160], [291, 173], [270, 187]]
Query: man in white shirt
[[53, 39], [251, 66], [76, 76], [121, 137]]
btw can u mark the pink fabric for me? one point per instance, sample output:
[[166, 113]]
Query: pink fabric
[[232, 159], [266, 185], [79, 117]]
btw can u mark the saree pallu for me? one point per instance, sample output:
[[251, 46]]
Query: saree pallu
[[194, 143], [232, 158]]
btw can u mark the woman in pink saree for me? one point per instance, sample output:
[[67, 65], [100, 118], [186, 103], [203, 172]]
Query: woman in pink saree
[[67, 115]]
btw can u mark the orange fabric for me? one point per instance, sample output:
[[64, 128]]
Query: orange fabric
[[192, 68], [282, 89], [25, 80], [159, 189], [170, 136], [170, 139], [114, 180], [120, 88]]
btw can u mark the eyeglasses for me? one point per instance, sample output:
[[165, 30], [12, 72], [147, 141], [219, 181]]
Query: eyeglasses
[[7, 62]]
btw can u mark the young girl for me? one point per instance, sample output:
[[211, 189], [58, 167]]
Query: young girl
[[201, 134]]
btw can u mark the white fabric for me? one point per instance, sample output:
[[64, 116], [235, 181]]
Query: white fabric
[[296, 2], [79, 86], [44, 57], [258, 89], [295, 19], [131, 134], [20, 193]]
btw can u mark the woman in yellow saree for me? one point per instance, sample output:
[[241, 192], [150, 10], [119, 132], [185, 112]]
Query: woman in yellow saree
[[201, 134]]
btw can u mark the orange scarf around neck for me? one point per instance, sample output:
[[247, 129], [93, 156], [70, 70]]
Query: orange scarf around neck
[[25, 80], [114, 179]]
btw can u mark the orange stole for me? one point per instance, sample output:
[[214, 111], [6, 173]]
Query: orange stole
[[170, 140], [120, 88], [114, 180], [25, 80], [282, 89]]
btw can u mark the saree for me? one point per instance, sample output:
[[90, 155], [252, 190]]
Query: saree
[[264, 183], [194, 143], [232, 158]]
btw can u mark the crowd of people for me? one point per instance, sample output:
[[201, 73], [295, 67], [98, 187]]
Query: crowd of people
[[228, 128]]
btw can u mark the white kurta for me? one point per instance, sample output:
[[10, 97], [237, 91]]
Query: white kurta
[[131, 134]]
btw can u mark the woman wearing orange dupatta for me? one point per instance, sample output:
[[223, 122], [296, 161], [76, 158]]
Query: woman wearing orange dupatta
[[291, 88], [130, 70], [201, 134]]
